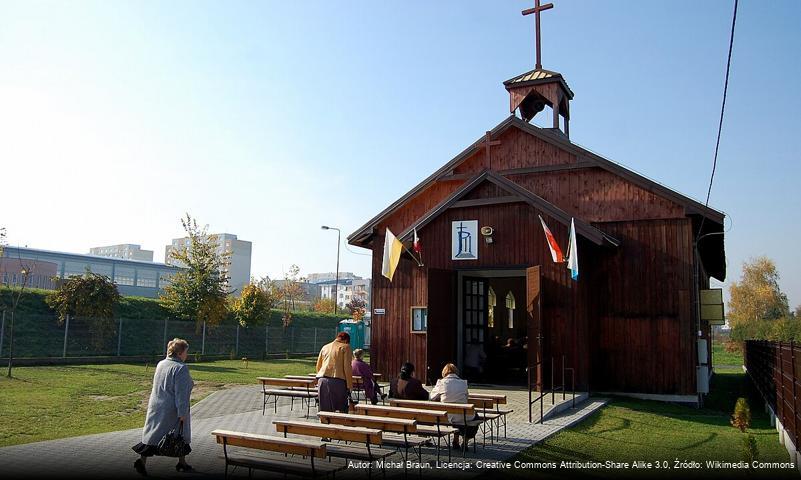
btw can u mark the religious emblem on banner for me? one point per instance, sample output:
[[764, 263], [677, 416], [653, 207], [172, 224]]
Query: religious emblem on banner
[[464, 234]]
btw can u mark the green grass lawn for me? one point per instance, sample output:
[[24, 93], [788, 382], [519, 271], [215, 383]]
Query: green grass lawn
[[628, 430], [721, 357], [42, 403]]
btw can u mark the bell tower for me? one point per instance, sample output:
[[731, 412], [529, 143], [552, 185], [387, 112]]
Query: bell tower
[[530, 92]]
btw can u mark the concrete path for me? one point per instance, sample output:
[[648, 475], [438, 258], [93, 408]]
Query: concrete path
[[109, 455]]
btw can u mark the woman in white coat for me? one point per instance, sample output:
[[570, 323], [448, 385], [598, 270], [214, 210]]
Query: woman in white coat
[[452, 389], [168, 407]]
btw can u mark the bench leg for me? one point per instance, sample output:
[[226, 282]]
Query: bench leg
[[450, 443]]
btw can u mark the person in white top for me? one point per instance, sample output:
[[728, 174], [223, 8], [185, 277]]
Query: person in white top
[[452, 389]]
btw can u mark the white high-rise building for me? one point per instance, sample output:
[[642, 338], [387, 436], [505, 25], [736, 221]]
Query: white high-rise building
[[127, 251], [238, 271]]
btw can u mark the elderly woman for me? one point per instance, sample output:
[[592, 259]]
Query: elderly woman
[[360, 368], [335, 375], [452, 389], [168, 407], [407, 387]]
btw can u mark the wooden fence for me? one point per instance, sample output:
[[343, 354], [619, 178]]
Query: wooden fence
[[775, 368]]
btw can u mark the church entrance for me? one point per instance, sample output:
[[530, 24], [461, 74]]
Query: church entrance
[[493, 327]]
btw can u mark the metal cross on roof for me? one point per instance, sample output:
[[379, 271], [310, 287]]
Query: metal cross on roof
[[536, 11], [487, 142]]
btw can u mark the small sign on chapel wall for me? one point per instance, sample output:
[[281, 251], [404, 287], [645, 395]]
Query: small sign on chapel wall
[[464, 240]]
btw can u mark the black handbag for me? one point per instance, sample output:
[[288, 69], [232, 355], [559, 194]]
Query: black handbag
[[172, 444]]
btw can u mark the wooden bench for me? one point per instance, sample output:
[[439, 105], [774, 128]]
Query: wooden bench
[[466, 410], [437, 419], [309, 450], [301, 377], [370, 437], [482, 406], [358, 386], [405, 429], [499, 400], [292, 388]]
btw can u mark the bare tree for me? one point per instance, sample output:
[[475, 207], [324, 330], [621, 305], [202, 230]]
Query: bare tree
[[14, 296]]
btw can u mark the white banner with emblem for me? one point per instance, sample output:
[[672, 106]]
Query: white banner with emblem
[[464, 240]]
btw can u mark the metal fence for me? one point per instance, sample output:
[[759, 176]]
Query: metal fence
[[775, 368], [41, 336]]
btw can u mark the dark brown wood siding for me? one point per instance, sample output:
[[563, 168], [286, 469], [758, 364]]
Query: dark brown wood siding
[[392, 342], [643, 328], [519, 242], [626, 325]]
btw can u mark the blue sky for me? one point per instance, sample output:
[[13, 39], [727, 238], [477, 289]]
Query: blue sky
[[268, 119]]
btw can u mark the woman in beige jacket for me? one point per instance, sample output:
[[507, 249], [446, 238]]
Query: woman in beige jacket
[[334, 373]]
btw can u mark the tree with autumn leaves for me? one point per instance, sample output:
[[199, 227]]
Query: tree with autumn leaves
[[757, 308], [199, 292], [255, 303]]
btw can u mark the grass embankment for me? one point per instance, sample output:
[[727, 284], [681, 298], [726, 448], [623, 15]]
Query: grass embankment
[[42, 403], [630, 430]]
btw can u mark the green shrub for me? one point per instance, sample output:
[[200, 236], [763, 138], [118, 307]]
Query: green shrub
[[750, 449]]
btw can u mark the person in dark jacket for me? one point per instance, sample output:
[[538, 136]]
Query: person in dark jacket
[[407, 387]]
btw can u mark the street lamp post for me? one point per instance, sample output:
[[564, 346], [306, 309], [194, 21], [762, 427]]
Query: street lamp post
[[336, 282]]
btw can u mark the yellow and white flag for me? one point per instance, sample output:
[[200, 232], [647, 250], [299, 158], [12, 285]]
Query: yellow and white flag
[[392, 254]]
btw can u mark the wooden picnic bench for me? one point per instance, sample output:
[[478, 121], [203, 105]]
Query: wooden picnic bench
[[405, 429], [358, 386], [301, 377], [376, 376], [502, 413], [437, 419], [307, 449], [370, 437], [482, 406], [466, 410], [292, 388]]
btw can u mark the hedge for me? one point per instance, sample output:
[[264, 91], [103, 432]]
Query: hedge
[[34, 302]]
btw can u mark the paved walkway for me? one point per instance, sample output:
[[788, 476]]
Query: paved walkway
[[109, 455]]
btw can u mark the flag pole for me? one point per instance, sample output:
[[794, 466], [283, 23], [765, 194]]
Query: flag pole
[[418, 260]]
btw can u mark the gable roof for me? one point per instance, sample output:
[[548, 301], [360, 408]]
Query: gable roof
[[692, 206], [518, 194]]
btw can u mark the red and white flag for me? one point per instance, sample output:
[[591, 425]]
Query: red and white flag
[[417, 247], [556, 252]]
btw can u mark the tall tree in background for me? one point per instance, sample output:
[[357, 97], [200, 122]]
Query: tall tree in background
[[757, 307], [199, 292], [291, 290], [757, 296], [90, 296], [255, 303]]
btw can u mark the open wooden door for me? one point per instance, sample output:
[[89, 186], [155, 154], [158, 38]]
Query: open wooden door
[[534, 326], [441, 333]]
